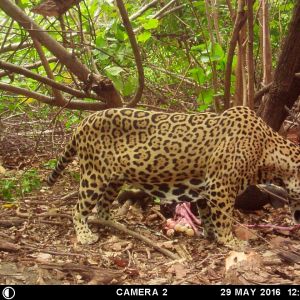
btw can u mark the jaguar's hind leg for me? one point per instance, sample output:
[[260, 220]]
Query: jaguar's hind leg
[[109, 195], [89, 194]]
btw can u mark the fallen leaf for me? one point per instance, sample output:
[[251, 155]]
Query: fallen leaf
[[179, 270], [233, 258], [120, 262], [244, 234], [2, 170], [43, 257], [279, 242]]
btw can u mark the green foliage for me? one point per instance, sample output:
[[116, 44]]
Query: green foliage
[[178, 43], [50, 164], [7, 188], [11, 188], [75, 175]]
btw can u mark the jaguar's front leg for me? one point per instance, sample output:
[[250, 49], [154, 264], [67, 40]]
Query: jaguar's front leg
[[205, 217], [234, 159], [221, 209]]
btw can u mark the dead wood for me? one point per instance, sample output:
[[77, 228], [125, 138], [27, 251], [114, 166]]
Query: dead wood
[[147, 241], [95, 274], [11, 222], [9, 247]]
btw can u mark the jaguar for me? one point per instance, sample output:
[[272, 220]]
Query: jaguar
[[204, 158]]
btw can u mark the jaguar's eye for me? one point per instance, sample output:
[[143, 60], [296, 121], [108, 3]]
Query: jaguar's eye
[[297, 216]]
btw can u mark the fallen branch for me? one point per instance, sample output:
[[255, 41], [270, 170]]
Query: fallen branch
[[96, 274], [9, 247], [147, 241], [69, 196], [11, 222]]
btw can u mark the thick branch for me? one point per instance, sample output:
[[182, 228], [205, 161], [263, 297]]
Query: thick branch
[[15, 46], [266, 89], [81, 105], [103, 88], [30, 66], [239, 22], [50, 82], [45, 39], [136, 52], [261, 92], [59, 99]]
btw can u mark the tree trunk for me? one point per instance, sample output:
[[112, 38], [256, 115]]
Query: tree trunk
[[266, 44], [285, 88], [250, 62], [239, 22]]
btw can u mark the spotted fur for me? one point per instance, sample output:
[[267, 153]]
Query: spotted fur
[[205, 158]]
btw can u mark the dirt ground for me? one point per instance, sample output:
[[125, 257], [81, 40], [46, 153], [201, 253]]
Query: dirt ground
[[38, 243]]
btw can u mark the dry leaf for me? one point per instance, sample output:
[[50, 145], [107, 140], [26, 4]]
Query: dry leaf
[[242, 268], [2, 170], [120, 262], [43, 257], [279, 242], [234, 258], [179, 270], [244, 234]]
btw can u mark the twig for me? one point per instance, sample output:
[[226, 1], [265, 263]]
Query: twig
[[69, 196], [142, 10], [159, 214], [29, 247], [276, 227]]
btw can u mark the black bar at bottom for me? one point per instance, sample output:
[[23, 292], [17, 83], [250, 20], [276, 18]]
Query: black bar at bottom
[[91, 292]]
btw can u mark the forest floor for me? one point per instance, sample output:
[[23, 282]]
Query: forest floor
[[38, 243]]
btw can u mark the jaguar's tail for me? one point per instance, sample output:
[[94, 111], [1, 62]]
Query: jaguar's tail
[[64, 160]]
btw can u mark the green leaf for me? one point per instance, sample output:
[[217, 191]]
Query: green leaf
[[199, 47], [202, 107], [198, 75], [100, 41], [113, 71], [217, 53], [143, 37], [206, 97], [151, 24], [129, 86], [204, 58]]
